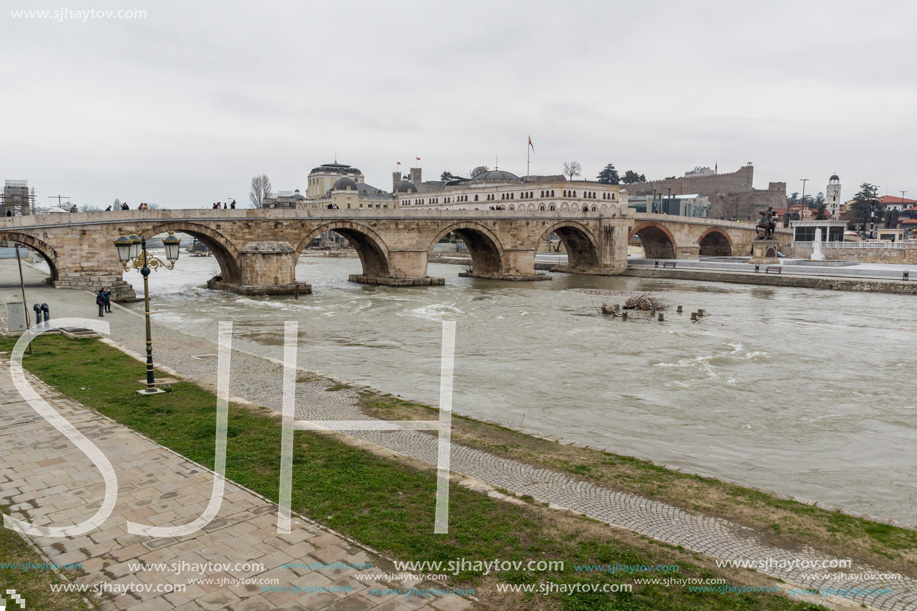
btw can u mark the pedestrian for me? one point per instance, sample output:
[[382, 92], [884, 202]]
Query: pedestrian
[[224, 205], [233, 204], [108, 209], [100, 301], [124, 206], [106, 295]]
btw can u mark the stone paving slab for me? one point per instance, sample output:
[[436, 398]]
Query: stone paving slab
[[49, 481]]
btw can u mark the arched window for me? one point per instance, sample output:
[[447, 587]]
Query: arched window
[[585, 208], [612, 196], [551, 207], [542, 193], [593, 207], [475, 198], [512, 207], [542, 207]]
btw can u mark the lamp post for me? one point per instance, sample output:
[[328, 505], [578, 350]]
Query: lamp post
[[133, 255]]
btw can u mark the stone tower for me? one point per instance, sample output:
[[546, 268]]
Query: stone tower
[[833, 196]]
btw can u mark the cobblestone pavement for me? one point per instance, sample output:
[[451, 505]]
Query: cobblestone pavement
[[257, 379]]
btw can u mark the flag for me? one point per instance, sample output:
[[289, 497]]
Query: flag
[[418, 159], [531, 145], [398, 162]]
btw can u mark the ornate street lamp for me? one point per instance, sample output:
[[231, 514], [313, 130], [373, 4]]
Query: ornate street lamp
[[133, 255]]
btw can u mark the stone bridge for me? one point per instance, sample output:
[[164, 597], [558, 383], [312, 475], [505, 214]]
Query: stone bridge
[[257, 250], [683, 237]]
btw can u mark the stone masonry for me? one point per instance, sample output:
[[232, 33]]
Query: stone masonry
[[257, 250]]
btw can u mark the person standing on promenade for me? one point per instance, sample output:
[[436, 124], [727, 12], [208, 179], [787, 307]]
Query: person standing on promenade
[[100, 301], [106, 295]]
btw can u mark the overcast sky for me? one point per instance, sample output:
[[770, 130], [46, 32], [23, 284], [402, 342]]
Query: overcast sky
[[183, 107]]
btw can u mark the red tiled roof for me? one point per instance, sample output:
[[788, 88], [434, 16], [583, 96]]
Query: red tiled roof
[[891, 199]]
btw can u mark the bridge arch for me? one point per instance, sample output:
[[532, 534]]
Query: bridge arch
[[224, 251], [579, 242], [715, 242], [657, 240], [369, 245], [42, 248], [483, 244]]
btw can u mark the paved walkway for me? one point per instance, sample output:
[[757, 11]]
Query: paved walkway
[[48, 481], [257, 379]]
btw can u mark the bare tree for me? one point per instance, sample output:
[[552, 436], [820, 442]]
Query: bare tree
[[572, 168], [479, 170], [261, 190]]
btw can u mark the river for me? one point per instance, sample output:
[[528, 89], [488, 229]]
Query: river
[[805, 392]]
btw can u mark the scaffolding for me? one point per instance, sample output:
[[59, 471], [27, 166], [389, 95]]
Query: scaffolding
[[17, 200]]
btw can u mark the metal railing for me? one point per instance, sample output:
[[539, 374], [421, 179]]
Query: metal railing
[[909, 244]]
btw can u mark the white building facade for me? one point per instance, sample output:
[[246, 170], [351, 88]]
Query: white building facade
[[500, 190]]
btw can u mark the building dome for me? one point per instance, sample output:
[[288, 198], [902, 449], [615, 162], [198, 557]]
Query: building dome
[[834, 177], [405, 186], [343, 184], [496, 175], [298, 196]]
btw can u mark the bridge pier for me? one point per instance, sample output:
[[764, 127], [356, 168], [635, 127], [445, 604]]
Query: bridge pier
[[407, 267], [265, 268], [689, 251], [516, 264], [121, 290]]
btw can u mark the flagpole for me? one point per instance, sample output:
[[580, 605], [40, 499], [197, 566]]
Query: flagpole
[[528, 171]]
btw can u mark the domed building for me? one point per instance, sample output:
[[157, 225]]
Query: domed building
[[496, 176], [344, 184], [335, 185], [405, 186]]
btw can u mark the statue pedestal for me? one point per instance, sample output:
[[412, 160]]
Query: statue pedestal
[[764, 252]]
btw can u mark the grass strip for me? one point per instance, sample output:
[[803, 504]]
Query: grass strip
[[389, 505], [780, 522]]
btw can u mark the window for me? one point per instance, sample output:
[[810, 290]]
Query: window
[[475, 198], [542, 193], [542, 207], [552, 207]]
